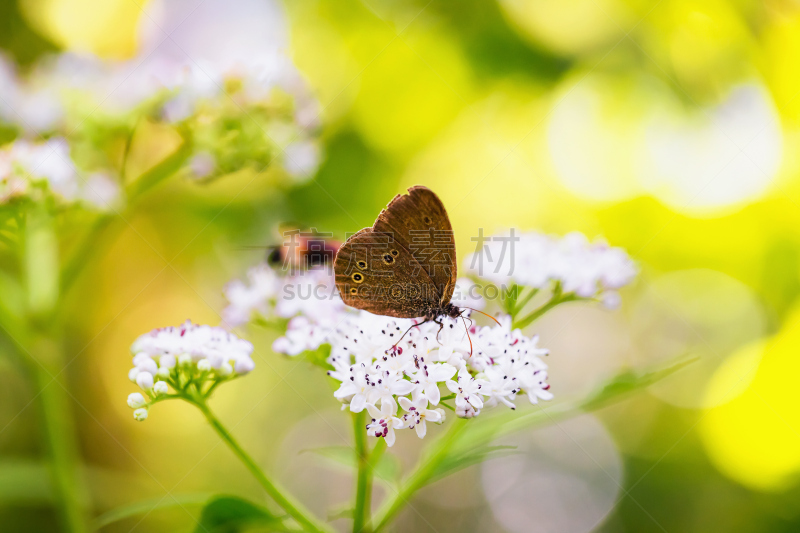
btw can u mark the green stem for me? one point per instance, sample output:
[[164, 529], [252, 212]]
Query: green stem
[[91, 243], [362, 510], [520, 305], [60, 437], [276, 492], [555, 299], [101, 230], [42, 341], [377, 453], [424, 471], [164, 169]]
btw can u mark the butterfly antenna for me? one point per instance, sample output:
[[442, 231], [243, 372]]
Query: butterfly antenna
[[481, 312], [468, 336]]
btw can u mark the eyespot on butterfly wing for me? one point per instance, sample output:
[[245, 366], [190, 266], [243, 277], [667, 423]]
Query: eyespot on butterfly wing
[[377, 274]]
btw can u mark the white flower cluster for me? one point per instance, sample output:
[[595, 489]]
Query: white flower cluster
[[308, 293], [483, 368], [33, 107], [185, 356], [479, 366], [244, 72], [26, 166], [586, 269]]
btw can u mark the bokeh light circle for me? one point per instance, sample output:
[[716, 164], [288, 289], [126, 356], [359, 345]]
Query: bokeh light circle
[[754, 437], [565, 478], [695, 313]]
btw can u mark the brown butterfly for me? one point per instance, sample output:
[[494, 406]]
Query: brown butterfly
[[404, 266]]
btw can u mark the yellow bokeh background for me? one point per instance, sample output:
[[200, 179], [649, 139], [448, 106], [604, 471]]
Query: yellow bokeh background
[[669, 128]]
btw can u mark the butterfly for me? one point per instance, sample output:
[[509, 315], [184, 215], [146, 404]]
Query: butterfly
[[404, 266]]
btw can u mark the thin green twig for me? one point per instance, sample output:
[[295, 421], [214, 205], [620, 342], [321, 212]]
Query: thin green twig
[[362, 509], [294, 508], [421, 474]]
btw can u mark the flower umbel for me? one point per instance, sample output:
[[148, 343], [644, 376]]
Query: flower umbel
[[187, 361]]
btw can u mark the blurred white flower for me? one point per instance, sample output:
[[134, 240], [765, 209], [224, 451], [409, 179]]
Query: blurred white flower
[[35, 109], [202, 165], [586, 269], [248, 298], [301, 159], [217, 60], [25, 166], [101, 191], [309, 293], [467, 294]]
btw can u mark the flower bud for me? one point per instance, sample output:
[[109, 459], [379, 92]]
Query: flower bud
[[136, 400], [161, 387], [244, 365], [185, 360], [216, 361], [139, 358], [467, 412], [140, 415], [226, 369], [145, 380], [163, 372], [203, 365], [147, 365], [132, 373], [167, 361]]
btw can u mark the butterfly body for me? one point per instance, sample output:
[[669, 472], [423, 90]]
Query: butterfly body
[[404, 266]]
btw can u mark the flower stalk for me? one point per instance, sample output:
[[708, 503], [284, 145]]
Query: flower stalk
[[557, 298], [424, 471], [294, 508], [362, 511], [42, 288]]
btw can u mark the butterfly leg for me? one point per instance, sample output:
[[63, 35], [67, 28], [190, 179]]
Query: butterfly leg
[[441, 326]]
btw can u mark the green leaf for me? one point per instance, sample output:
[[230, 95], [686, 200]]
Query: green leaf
[[230, 514], [149, 505], [455, 462], [319, 357], [472, 446], [387, 469], [613, 390], [630, 381], [342, 512]]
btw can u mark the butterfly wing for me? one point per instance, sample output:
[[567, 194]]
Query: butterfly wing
[[377, 274], [418, 221]]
